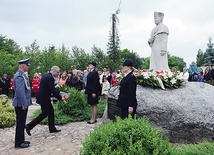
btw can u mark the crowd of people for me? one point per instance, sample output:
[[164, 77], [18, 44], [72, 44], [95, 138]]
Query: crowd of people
[[195, 74]]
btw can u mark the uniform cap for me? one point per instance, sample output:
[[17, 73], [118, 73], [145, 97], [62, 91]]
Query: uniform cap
[[24, 61]]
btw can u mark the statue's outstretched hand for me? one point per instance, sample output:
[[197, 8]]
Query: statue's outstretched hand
[[163, 53]]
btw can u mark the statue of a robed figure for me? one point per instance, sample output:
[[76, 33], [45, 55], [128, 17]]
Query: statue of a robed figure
[[158, 43]]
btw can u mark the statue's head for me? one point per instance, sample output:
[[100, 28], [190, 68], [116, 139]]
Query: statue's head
[[158, 17]]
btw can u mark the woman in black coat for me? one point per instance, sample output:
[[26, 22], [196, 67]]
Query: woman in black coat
[[92, 89], [127, 98]]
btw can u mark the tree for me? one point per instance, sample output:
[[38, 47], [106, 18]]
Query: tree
[[9, 45], [127, 54], [79, 58], [100, 58], [114, 41], [209, 58], [200, 57]]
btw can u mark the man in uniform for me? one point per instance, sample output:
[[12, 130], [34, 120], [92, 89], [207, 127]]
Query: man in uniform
[[21, 101]]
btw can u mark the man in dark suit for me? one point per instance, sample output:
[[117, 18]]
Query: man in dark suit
[[127, 98], [92, 89], [46, 89], [21, 101]]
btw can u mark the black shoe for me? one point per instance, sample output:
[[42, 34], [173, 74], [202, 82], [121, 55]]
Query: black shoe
[[26, 142], [22, 145], [27, 130], [55, 131], [89, 122]]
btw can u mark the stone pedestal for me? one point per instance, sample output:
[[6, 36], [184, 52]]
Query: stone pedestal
[[113, 110]]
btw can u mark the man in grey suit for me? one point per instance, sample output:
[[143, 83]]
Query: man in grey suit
[[21, 101]]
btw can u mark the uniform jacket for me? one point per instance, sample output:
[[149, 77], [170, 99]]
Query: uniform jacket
[[46, 88], [22, 96], [127, 95], [93, 83]]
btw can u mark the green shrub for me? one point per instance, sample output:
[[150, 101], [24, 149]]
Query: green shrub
[[7, 113], [204, 148], [126, 137], [75, 106]]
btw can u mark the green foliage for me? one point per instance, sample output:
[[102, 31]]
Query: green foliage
[[75, 106], [126, 137], [172, 82], [152, 81], [209, 59], [200, 58], [205, 148], [146, 63], [80, 58], [7, 113], [127, 54]]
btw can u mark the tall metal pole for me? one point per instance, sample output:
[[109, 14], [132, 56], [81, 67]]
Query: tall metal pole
[[113, 34]]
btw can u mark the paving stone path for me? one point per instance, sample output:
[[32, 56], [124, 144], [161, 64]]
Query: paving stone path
[[67, 142]]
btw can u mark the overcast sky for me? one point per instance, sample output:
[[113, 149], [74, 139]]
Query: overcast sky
[[85, 23]]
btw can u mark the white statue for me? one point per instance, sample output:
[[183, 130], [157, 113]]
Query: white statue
[[158, 43]]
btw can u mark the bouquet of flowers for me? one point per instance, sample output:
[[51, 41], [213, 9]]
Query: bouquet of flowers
[[162, 79]]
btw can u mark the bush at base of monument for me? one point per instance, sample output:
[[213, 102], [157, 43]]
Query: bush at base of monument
[[75, 105], [129, 136], [7, 113]]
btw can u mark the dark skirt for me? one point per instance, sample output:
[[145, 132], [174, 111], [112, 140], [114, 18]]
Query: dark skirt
[[91, 100]]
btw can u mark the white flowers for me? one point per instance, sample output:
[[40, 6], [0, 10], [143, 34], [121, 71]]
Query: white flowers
[[161, 79], [173, 81]]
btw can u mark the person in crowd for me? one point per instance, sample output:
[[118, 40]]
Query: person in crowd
[[212, 73], [127, 96], [108, 75], [21, 101], [69, 79], [104, 72], [101, 82], [12, 86], [35, 83], [43, 97], [63, 78], [207, 74], [184, 76], [91, 90], [174, 71], [77, 81], [105, 87], [200, 75], [40, 75], [5, 84], [113, 79], [85, 74], [193, 72]]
